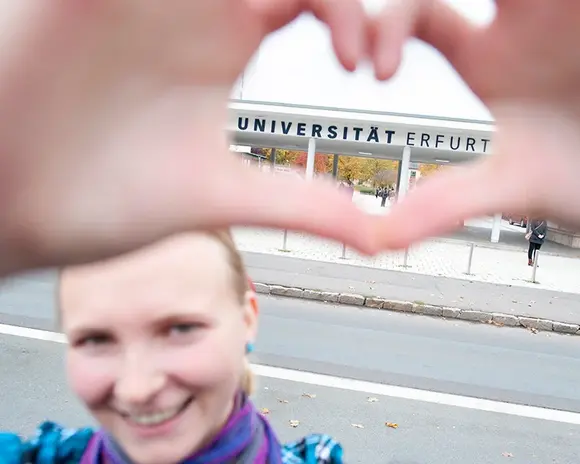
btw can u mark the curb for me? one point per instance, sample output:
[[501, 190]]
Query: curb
[[373, 302]]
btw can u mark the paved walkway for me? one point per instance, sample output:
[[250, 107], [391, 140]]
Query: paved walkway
[[407, 286], [559, 268]]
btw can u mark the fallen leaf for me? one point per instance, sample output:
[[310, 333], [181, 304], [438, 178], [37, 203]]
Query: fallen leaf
[[370, 399], [534, 331], [357, 426], [308, 395], [265, 411], [282, 401], [294, 423], [392, 425], [507, 455]]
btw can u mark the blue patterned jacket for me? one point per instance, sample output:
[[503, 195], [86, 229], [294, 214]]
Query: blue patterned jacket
[[54, 444]]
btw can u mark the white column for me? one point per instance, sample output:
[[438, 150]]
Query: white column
[[404, 180], [310, 159], [496, 228]]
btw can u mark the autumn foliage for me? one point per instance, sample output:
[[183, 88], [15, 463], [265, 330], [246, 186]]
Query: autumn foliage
[[427, 169], [322, 163], [352, 169]]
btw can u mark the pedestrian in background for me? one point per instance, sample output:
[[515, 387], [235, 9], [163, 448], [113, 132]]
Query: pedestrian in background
[[536, 236]]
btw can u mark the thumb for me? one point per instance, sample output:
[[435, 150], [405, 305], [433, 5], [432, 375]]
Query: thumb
[[290, 202], [438, 204]]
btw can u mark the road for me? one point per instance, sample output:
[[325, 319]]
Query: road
[[375, 349]]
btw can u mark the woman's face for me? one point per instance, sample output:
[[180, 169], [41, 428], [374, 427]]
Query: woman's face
[[157, 345]]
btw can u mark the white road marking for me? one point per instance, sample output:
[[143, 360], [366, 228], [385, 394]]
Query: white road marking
[[393, 391], [35, 334], [416, 394]]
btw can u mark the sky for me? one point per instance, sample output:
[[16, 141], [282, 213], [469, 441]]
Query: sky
[[297, 65]]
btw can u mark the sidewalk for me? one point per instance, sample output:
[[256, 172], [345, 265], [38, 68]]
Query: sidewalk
[[435, 258], [417, 288], [499, 263], [478, 231], [511, 238]]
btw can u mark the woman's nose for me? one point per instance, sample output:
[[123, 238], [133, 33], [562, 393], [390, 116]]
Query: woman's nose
[[139, 381]]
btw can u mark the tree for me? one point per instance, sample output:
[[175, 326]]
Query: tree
[[283, 157], [259, 151], [351, 168], [374, 166], [321, 162], [286, 157], [426, 169], [385, 178]]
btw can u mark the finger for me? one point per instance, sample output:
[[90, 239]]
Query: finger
[[432, 21], [439, 204], [289, 202], [348, 26], [345, 18]]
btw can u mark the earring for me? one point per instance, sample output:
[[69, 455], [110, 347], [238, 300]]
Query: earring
[[249, 347]]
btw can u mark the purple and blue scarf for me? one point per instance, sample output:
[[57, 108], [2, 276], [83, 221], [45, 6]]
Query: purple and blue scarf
[[247, 438]]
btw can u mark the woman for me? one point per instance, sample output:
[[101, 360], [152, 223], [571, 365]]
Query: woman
[[536, 237], [158, 345]]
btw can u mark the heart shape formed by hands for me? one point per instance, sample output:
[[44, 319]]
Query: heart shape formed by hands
[[524, 67], [115, 114]]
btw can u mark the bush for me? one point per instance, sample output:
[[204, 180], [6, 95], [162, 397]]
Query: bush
[[365, 190]]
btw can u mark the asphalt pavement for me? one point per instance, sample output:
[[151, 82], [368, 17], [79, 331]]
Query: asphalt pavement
[[29, 298], [433, 355], [483, 361]]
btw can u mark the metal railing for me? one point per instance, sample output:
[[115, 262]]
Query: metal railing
[[535, 266], [285, 242], [407, 259]]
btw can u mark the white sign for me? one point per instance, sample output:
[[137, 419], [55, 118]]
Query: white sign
[[364, 133]]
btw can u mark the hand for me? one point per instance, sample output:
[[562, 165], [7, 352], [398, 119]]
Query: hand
[[113, 118], [526, 69]]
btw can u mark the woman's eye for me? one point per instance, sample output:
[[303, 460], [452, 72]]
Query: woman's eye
[[94, 340], [182, 329]]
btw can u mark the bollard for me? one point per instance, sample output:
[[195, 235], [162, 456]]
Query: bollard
[[406, 258], [534, 281], [470, 259], [343, 251], [285, 241]]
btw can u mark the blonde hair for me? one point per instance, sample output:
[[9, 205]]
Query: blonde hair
[[241, 286]]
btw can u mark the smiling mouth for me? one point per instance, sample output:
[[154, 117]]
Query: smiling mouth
[[156, 418]]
